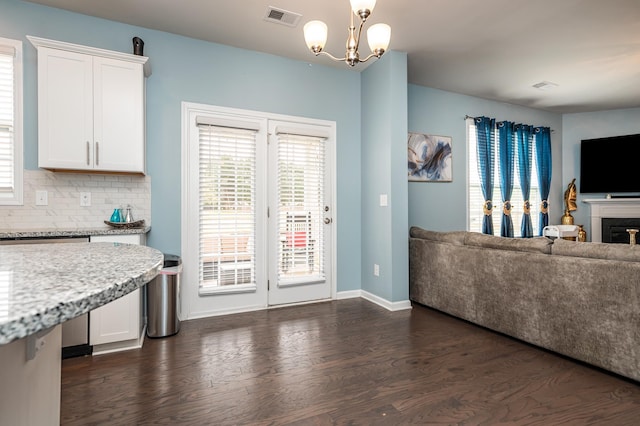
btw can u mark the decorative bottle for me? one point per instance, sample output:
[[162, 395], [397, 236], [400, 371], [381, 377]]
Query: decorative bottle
[[128, 217]]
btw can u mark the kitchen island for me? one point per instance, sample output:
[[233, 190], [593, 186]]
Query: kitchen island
[[42, 286]]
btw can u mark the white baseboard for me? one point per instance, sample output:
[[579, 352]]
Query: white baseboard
[[350, 294], [216, 313], [341, 295], [391, 306]]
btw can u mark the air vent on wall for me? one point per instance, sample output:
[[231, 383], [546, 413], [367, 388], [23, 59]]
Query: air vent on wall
[[281, 16]]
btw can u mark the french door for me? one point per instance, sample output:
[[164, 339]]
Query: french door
[[300, 214], [262, 234]]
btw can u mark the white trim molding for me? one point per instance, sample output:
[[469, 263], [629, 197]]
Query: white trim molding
[[16, 196], [370, 297], [349, 294], [38, 42]]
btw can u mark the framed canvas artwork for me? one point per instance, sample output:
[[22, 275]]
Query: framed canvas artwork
[[429, 158]]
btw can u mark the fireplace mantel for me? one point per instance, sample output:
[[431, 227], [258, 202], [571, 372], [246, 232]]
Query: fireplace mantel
[[610, 207]]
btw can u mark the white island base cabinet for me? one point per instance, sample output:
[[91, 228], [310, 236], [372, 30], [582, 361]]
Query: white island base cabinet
[[118, 325]]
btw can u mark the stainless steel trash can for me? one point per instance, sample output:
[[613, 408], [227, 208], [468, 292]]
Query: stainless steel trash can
[[163, 299]]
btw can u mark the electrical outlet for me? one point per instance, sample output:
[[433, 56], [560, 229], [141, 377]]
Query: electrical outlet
[[376, 269], [42, 198], [85, 199]]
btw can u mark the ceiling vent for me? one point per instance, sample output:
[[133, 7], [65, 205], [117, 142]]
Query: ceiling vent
[[281, 16], [545, 85]]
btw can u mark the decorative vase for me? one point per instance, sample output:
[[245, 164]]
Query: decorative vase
[[115, 217], [582, 234], [138, 46]]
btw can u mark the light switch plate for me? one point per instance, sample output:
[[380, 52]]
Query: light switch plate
[[42, 198], [85, 199], [383, 200]]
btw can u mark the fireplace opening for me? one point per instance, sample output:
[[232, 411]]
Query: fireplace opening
[[614, 230]]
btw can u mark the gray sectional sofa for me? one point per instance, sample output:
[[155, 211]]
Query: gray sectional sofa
[[578, 299]]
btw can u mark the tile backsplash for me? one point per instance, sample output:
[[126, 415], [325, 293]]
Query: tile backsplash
[[63, 192]]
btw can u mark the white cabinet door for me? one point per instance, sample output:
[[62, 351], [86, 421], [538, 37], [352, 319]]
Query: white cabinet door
[[118, 115], [116, 321], [90, 112], [65, 110], [120, 320]]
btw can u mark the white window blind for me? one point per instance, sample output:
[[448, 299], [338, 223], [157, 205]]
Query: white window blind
[[7, 120], [301, 162], [227, 182], [476, 199]]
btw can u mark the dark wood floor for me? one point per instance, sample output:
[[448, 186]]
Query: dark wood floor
[[345, 362]]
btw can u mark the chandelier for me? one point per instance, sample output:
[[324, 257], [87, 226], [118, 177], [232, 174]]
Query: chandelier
[[378, 35]]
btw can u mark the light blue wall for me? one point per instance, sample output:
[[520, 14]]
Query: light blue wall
[[591, 125], [185, 69], [443, 205], [191, 70], [384, 132]]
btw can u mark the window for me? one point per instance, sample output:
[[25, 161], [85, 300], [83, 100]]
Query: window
[[227, 181], [476, 200], [301, 171], [10, 122]]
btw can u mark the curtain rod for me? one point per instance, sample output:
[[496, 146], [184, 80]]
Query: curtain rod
[[466, 117]]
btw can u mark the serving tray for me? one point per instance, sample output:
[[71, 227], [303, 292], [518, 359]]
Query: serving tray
[[135, 224]]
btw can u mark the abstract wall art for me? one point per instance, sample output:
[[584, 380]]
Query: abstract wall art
[[429, 158]]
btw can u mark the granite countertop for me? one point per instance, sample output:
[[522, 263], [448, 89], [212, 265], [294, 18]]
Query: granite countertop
[[42, 285], [75, 232]]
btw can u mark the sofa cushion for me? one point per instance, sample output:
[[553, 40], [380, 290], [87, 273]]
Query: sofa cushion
[[453, 237], [624, 252], [531, 245]]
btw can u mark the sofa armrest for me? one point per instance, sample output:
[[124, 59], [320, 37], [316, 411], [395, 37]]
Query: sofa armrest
[[453, 237]]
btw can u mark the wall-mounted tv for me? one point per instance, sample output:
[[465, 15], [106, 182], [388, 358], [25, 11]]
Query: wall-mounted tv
[[610, 165]]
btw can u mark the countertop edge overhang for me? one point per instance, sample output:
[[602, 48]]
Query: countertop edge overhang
[[47, 284], [77, 232]]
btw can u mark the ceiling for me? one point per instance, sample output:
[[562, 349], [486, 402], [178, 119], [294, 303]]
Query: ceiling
[[492, 49]]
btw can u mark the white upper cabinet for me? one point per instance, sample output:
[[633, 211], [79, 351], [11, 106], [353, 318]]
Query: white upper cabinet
[[91, 108]]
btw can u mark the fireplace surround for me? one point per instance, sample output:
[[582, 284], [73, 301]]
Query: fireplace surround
[[613, 208]]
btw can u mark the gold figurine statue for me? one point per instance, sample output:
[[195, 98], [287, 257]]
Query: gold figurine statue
[[569, 203]]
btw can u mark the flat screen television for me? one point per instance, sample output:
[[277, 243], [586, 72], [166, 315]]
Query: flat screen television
[[610, 165]]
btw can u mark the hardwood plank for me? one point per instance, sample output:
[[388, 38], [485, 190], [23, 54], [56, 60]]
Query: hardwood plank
[[342, 362]]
